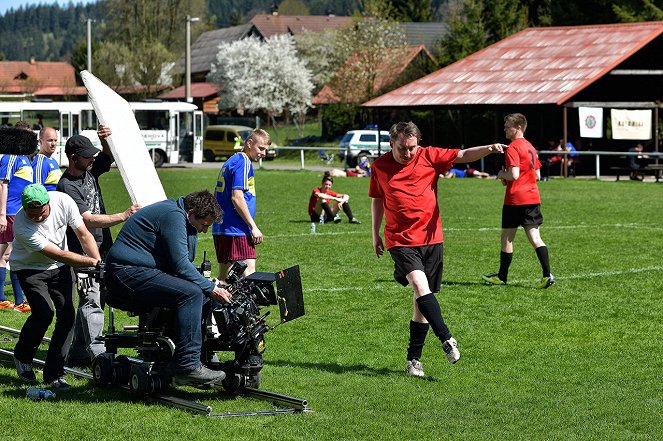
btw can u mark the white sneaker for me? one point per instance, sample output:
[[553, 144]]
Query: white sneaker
[[414, 368], [450, 348]]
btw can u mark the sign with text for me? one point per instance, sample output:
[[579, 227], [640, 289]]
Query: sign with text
[[631, 124]]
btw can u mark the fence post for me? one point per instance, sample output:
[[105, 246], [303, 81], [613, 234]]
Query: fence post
[[301, 155], [598, 167]]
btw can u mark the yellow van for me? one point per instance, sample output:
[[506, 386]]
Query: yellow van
[[226, 140]]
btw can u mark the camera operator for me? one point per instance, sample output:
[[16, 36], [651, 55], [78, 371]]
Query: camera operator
[[151, 265]]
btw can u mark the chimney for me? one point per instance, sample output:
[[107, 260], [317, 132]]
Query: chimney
[[32, 59]]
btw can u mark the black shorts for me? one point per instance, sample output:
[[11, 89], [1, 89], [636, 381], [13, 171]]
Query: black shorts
[[514, 216], [428, 258]]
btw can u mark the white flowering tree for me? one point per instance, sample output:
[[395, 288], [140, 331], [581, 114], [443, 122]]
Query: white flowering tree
[[259, 75]]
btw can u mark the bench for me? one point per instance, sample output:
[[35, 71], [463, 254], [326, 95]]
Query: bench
[[651, 169]]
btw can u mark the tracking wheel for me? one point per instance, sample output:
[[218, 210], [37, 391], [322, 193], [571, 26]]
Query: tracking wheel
[[102, 370], [139, 380]]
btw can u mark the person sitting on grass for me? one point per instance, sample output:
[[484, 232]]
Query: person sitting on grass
[[327, 203], [467, 173]]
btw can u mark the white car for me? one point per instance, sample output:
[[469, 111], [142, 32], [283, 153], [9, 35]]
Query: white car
[[363, 143]]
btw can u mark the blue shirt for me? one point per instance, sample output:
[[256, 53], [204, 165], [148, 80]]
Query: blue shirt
[[159, 236], [236, 174], [46, 171], [17, 171]]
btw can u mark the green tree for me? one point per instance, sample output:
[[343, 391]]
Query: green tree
[[646, 10], [293, 7], [413, 10]]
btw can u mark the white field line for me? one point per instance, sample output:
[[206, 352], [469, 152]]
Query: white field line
[[544, 227], [565, 277]]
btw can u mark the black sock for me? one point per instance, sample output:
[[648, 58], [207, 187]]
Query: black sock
[[542, 254], [430, 309], [505, 262], [347, 211], [329, 216], [418, 333]]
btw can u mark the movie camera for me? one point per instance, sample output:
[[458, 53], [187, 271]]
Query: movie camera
[[237, 328]]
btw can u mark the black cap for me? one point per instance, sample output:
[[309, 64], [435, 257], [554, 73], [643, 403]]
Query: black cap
[[82, 146]]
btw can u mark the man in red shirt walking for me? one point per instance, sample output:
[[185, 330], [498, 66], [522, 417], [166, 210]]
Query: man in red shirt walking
[[522, 203], [403, 188]]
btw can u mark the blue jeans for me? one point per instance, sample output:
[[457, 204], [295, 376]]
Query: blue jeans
[[150, 287]]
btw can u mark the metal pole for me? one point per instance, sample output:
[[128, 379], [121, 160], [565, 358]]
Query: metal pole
[[89, 45], [187, 56]]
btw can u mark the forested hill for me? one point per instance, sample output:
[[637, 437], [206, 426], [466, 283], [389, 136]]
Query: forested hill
[[51, 32]]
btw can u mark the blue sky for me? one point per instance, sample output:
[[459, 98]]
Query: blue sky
[[7, 4]]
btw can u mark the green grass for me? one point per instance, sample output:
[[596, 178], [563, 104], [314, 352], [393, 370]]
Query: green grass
[[581, 360]]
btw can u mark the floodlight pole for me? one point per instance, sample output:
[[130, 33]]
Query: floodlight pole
[[187, 57]]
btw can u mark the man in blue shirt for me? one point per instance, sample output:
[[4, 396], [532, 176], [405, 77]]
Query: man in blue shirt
[[15, 175], [236, 236], [151, 265]]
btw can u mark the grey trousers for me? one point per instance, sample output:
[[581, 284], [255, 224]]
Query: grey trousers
[[89, 322]]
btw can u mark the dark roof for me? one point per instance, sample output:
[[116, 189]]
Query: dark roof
[[424, 33], [535, 66], [270, 25], [205, 48], [198, 90]]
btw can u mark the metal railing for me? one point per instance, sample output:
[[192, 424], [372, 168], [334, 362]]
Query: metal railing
[[542, 154]]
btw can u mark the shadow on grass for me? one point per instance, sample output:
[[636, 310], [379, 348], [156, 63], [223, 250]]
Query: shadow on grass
[[337, 368]]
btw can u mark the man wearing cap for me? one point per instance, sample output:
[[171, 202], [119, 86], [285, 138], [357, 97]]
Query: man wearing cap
[[42, 263], [81, 182]]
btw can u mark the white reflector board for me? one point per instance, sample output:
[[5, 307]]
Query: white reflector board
[[126, 143]]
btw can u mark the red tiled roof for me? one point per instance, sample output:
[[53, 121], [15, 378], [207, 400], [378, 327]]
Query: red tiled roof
[[390, 64], [58, 91], [198, 90], [270, 25], [26, 76], [535, 66]]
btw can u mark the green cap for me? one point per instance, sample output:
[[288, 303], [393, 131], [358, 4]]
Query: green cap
[[34, 194]]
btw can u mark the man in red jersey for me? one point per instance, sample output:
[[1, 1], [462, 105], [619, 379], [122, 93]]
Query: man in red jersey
[[403, 188], [522, 203]]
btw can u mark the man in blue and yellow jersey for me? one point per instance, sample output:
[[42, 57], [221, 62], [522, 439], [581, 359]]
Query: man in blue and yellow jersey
[[15, 175], [45, 167], [236, 236]]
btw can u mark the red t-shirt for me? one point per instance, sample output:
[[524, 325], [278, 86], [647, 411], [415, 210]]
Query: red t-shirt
[[522, 191], [409, 195], [313, 201]]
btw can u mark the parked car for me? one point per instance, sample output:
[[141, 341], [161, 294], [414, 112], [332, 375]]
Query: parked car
[[226, 140], [363, 143]]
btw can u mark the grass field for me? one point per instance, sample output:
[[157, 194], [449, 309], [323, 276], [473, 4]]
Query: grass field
[[582, 360]]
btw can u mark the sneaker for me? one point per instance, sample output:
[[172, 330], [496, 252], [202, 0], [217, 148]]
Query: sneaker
[[355, 221], [492, 279], [23, 307], [337, 219], [547, 282], [199, 377], [60, 384], [414, 368], [24, 371], [450, 347], [6, 305]]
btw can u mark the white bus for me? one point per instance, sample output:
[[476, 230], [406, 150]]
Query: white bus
[[173, 131]]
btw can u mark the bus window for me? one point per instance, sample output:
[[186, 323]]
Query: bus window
[[152, 119], [42, 118], [88, 120]]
